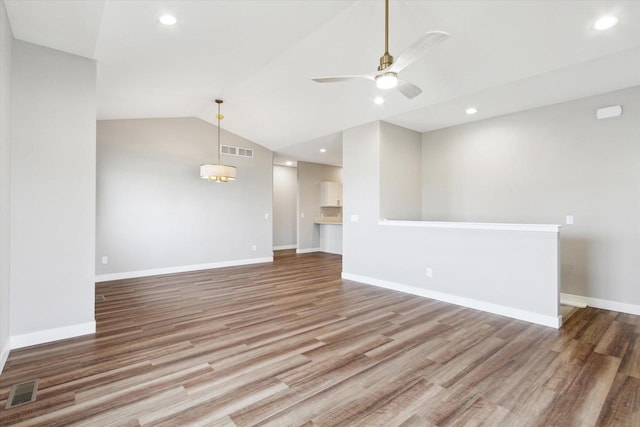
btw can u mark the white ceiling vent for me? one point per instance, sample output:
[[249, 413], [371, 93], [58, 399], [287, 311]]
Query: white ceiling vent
[[236, 151]]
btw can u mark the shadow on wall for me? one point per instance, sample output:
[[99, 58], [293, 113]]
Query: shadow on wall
[[574, 269]]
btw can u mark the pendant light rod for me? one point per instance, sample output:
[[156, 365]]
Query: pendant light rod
[[219, 117]]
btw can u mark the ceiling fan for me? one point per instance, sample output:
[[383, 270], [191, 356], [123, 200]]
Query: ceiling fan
[[387, 75]]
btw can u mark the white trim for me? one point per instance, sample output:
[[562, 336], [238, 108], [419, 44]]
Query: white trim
[[308, 250], [621, 307], [283, 247], [329, 251], [515, 313], [4, 354], [551, 228], [573, 300], [55, 334], [179, 269]]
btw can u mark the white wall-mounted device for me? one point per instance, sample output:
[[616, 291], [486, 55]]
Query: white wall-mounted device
[[608, 112]]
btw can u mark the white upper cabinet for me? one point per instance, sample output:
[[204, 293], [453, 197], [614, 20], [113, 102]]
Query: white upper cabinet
[[330, 194]]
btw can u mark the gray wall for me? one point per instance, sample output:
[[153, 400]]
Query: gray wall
[[361, 193], [284, 206], [400, 173], [53, 115], [539, 166], [6, 41], [310, 175], [154, 210], [471, 267]]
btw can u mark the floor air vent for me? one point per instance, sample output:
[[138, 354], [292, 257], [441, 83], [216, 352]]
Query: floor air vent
[[22, 393], [99, 298]]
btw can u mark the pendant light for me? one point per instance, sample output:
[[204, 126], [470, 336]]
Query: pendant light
[[218, 172]]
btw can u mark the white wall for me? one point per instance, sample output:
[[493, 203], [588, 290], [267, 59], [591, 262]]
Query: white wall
[[512, 273], [400, 173], [284, 206], [540, 165], [6, 42], [310, 175], [154, 210], [53, 114]]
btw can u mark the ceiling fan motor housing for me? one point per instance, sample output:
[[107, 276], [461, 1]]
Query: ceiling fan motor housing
[[385, 61]]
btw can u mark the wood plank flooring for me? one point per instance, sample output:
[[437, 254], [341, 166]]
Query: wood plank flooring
[[291, 344]]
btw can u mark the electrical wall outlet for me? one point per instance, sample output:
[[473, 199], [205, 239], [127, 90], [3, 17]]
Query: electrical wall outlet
[[254, 248], [429, 272], [266, 216], [105, 260], [354, 218]]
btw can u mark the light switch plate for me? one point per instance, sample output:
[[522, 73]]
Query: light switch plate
[[354, 218]]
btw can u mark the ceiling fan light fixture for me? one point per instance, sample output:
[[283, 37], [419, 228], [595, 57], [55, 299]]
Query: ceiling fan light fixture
[[387, 80], [387, 75]]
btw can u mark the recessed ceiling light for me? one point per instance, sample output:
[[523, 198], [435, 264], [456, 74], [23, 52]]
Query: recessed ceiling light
[[323, 150], [379, 100], [289, 163], [471, 110], [168, 20], [606, 22]]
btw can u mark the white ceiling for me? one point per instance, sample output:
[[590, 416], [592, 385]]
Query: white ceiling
[[260, 56], [309, 151]]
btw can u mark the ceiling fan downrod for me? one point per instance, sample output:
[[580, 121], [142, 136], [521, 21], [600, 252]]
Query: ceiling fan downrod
[[386, 60]]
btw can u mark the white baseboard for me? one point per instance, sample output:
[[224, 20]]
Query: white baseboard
[[573, 300], [329, 251], [179, 269], [4, 354], [55, 334], [515, 313], [308, 250], [581, 301], [281, 248]]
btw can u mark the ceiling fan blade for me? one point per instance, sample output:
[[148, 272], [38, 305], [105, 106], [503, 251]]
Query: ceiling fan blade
[[417, 49], [408, 89], [338, 79]]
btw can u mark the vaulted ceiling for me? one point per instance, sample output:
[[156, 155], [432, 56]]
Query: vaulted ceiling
[[260, 56]]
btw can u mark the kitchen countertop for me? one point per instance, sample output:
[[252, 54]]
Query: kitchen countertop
[[335, 220]]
